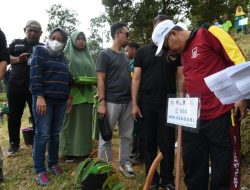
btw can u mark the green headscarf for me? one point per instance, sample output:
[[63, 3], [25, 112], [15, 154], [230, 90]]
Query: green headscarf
[[80, 61]]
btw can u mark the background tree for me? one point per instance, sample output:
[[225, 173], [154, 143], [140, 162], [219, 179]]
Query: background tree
[[144, 12], [206, 11], [139, 15], [62, 17], [118, 10], [97, 36]]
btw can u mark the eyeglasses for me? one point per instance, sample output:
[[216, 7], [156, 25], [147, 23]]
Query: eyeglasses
[[126, 34]]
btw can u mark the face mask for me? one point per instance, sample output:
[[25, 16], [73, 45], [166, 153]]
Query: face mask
[[55, 45]]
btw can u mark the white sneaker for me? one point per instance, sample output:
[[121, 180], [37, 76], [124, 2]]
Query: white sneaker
[[127, 170]]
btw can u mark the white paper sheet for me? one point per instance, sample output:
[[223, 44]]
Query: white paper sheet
[[243, 21], [231, 84]]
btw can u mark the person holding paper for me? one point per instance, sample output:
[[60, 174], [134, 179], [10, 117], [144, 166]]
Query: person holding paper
[[240, 24], [205, 51]]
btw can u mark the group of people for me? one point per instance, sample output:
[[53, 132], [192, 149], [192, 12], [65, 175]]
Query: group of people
[[130, 93], [239, 23], [43, 76]]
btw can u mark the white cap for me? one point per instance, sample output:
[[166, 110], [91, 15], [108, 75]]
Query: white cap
[[160, 32], [182, 25]]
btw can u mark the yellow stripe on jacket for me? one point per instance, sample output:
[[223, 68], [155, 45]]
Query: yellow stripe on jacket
[[229, 45]]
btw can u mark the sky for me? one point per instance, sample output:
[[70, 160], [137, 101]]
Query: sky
[[15, 13]]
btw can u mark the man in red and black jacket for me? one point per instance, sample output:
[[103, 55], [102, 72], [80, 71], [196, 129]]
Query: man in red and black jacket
[[206, 51]]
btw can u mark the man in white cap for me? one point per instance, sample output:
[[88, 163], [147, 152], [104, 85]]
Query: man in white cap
[[205, 51], [18, 92]]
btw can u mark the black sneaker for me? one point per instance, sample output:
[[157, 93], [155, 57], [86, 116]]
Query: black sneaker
[[12, 150]]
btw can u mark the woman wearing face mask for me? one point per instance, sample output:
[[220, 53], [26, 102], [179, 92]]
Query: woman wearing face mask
[[76, 134], [49, 84]]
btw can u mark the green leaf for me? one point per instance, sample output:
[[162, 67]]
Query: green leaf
[[80, 170], [118, 186]]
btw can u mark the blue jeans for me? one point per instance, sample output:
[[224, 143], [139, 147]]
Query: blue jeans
[[47, 131]]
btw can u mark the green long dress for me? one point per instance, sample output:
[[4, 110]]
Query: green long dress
[[76, 133]]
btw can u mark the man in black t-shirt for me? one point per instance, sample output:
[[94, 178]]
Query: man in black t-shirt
[[18, 92], [4, 55], [155, 79], [4, 59]]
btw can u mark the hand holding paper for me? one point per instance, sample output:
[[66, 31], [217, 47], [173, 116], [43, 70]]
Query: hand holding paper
[[231, 84]]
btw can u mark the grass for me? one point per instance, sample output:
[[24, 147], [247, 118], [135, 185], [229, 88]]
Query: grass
[[19, 175]]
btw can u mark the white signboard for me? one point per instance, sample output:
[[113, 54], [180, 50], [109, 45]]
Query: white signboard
[[183, 111]]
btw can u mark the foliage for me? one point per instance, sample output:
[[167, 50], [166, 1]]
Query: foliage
[[206, 10], [142, 21], [113, 183], [62, 17], [118, 10], [3, 97], [91, 166], [94, 48], [96, 166], [177, 9], [98, 32], [138, 15], [202, 11]]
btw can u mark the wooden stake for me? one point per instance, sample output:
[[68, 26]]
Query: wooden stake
[[178, 160]]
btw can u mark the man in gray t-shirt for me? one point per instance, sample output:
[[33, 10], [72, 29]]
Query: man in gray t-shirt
[[118, 80], [114, 96]]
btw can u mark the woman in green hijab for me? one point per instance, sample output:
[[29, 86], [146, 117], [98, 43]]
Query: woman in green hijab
[[76, 134]]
